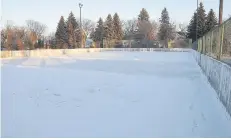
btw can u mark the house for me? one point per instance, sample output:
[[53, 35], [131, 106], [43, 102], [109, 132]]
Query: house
[[89, 43]]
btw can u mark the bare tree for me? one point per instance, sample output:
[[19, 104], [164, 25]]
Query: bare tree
[[183, 29], [15, 37], [8, 35], [148, 28], [27, 41], [51, 40], [36, 27], [35, 31], [3, 38], [20, 33], [129, 27], [87, 25], [9, 24], [154, 30], [144, 27]]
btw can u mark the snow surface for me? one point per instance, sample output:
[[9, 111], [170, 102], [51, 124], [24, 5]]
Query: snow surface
[[110, 94]]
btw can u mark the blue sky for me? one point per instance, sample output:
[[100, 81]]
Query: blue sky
[[49, 11]]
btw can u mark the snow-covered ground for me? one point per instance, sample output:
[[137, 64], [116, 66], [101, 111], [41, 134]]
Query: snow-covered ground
[[110, 94]]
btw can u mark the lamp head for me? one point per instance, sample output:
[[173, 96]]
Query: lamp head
[[80, 5]]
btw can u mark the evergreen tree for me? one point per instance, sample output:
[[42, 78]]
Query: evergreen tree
[[71, 19], [118, 32], [191, 31], [143, 15], [201, 20], [61, 34], [166, 28], [211, 21], [78, 35], [144, 26], [99, 31], [70, 31], [109, 28], [72, 26], [198, 23], [92, 35]]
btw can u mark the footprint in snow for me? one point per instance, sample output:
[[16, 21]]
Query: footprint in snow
[[57, 95], [203, 116], [195, 125]]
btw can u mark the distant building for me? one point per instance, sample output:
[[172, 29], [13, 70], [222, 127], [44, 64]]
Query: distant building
[[89, 43]]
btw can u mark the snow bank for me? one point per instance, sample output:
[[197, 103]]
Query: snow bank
[[219, 75]]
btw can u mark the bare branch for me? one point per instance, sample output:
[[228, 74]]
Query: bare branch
[[36, 27], [9, 24], [129, 26], [88, 26]]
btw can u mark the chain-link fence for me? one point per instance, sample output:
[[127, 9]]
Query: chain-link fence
[[217, 43]]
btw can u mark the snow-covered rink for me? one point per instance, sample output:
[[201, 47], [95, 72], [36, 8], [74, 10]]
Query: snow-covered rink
[[110, 94]]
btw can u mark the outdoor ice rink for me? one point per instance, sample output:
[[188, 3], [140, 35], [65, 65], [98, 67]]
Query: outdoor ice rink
[[110, 94]]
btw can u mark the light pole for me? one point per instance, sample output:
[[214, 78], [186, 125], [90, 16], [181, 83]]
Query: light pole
[[80, 7]]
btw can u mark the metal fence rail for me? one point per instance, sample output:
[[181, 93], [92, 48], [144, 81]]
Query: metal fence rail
[[217, 43]]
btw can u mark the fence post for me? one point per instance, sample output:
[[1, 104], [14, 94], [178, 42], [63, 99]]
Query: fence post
[[221, 38], [211, 43], [204, 45], [190, 43], [200, 45]]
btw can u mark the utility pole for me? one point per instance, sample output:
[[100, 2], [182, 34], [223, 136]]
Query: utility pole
[[197, 35], [80, 7], [220, 28], [220, 11], [197, 25]]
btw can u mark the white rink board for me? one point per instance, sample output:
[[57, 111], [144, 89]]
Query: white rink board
[[219, 75]]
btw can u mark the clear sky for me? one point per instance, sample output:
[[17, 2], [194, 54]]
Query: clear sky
[[49, 11]]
